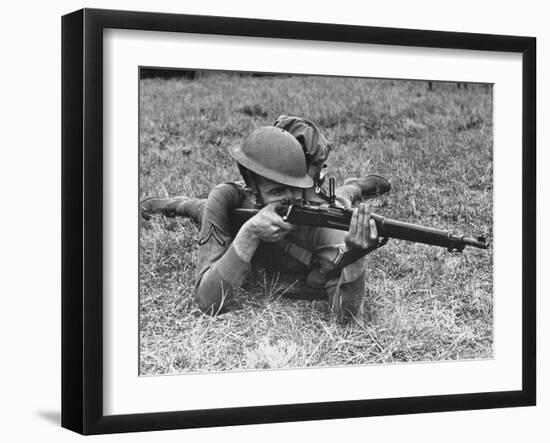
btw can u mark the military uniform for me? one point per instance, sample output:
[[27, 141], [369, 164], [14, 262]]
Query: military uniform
[[311, 251], [293, 152]]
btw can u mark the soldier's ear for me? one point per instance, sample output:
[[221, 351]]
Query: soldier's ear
[[249, 192], [253, 195]]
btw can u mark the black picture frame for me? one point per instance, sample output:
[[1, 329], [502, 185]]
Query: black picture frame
[[82, 218]]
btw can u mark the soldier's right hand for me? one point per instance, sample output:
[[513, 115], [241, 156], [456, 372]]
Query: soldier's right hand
[[267, 225]]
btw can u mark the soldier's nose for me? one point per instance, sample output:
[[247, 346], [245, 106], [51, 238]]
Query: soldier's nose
[[288, 194]]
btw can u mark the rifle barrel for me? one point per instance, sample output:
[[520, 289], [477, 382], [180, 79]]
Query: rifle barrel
[[390, 228]]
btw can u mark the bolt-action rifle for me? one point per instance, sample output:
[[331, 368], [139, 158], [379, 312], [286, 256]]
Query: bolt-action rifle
[[329, 215], [314, 214]]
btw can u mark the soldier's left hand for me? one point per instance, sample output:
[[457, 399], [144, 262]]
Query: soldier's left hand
[[362, 232]]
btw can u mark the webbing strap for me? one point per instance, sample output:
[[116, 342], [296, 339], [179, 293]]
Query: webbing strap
[[300, 253]]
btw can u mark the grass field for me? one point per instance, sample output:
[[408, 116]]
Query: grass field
[[423, 303]]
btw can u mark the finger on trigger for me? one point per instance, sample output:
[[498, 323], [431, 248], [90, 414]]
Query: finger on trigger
[[284, 225]]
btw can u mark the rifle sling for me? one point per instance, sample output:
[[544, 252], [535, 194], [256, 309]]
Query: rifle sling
[[351, 256], [305, 256]]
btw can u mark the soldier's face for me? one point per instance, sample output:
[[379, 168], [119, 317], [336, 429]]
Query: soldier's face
[[274, 192]]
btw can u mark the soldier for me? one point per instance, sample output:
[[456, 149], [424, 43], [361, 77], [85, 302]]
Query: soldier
[[278, 164]]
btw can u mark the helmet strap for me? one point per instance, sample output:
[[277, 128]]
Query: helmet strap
[[252, 186], [258, 201]]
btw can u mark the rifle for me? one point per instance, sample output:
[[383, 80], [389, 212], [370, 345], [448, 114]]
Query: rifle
[[335, 217]]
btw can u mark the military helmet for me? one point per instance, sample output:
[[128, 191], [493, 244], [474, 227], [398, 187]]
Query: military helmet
[[274, 154]]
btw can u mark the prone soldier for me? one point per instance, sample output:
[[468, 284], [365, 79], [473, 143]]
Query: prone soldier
[[280, 162]]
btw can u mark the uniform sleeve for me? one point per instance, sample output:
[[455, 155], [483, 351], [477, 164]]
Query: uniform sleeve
[[346, 293], [219, 269]]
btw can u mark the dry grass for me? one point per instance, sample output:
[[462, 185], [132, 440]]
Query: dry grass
[[424, 303]]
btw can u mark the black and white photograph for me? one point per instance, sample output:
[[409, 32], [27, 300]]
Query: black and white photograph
[[294, 221], [272, 222]]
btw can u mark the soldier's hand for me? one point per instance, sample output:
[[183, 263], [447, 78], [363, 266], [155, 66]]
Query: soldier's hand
[[267, 225], [362, 232]]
